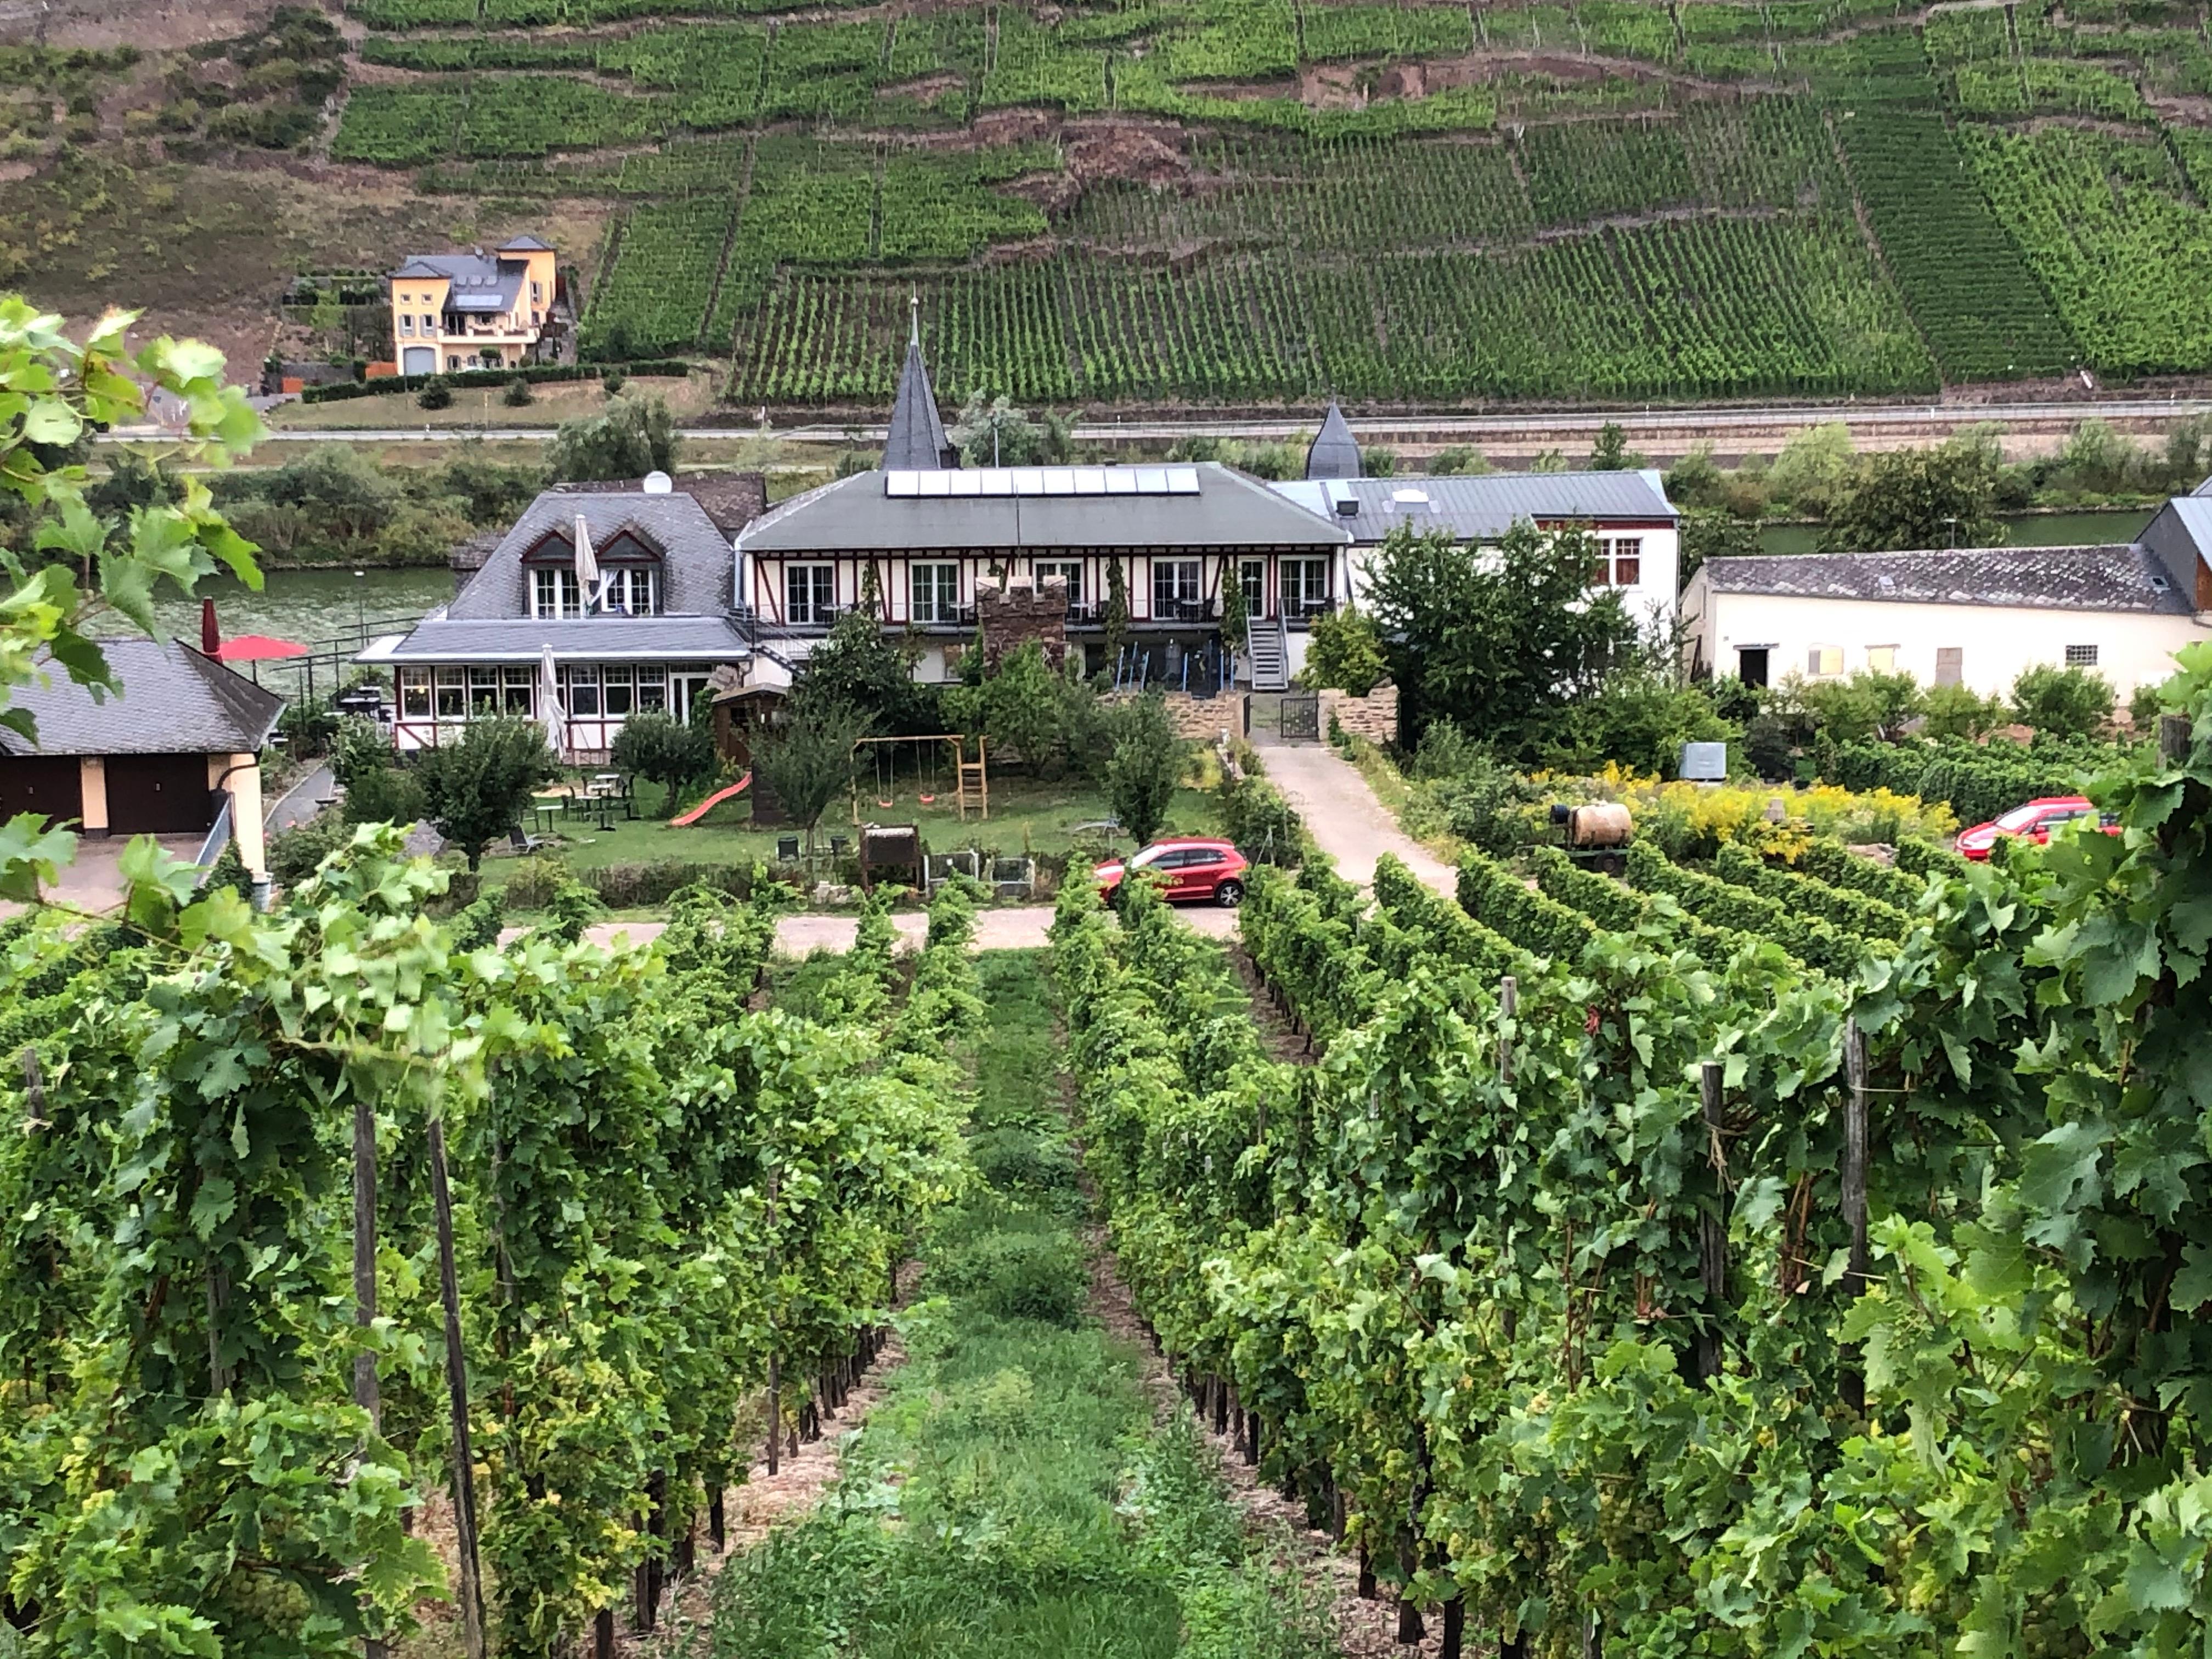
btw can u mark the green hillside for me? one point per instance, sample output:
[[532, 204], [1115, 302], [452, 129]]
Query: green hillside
[[1255, 201]]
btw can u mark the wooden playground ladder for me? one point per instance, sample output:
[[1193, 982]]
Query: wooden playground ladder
[[975, 781]]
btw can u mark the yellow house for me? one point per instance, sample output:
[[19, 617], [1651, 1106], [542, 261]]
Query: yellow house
[[476, 310]]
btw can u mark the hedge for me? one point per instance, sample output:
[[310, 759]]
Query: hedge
[[1264, 826], [1918, 858], [1837, 865], [1978, 781], [1497, 897], [1600, 897], [629, 886], [1801, 893], [1410, 925], [536, 374], [1815, 943]]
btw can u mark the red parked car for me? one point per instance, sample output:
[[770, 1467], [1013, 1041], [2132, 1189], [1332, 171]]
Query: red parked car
[[1188, 866], [2032, 822]]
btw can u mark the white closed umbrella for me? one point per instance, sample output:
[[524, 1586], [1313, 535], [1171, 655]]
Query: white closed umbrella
[[548, 703], [587, 563]]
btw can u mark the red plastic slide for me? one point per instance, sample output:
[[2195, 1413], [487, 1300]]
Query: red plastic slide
[[711, 803]]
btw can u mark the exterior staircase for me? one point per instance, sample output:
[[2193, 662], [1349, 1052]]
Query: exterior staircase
[[1268, 648]]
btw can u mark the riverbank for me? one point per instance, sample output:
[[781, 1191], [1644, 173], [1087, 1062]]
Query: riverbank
[[1018, 1493]]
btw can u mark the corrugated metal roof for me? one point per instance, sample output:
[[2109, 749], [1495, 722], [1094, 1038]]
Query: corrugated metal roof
[[2123, 576], [174, 702], [587, 639], [2194, 513], [854, 515], [1482, 507], [697, 569]]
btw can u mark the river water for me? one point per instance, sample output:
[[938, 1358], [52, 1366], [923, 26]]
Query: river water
[[2029, 530]]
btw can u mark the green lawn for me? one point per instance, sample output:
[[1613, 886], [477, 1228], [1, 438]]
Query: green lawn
[[1027, 816]]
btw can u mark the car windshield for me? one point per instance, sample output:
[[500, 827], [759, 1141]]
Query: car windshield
[[2021, 817], [1150, 855]]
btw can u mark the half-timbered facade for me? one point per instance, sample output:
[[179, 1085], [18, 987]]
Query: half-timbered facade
[[923, 550], [645, 636]]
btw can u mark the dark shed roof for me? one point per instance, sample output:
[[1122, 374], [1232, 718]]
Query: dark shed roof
[[174, 702], [2120, 576]]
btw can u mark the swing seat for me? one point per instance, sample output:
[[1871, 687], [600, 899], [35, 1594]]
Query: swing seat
[[927, 800], [885, 802]]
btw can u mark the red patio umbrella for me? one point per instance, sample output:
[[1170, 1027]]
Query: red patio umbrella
[[257, 647]]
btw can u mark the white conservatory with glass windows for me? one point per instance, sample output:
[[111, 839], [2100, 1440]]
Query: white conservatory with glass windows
[[595, 607]]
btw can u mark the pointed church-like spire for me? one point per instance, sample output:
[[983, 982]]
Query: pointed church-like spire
[[915, 441], [1335, 452]]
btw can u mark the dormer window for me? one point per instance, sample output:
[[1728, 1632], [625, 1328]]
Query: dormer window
[[555, 594], [629, 584], [633, 590]]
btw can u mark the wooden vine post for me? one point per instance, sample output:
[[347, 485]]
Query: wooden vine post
[[1850, 1376], [457, 1389], [1712, 1227], [774, 1370], [367, 1391]]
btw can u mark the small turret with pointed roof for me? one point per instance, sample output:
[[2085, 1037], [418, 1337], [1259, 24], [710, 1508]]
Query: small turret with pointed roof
[[1335, 452], [915, 441]]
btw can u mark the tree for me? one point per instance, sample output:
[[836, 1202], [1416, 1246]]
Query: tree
[[1114, 619], [1959, 711], [474, 790], [1640, 718], [1020, 707], [1610, 452], [1869, 704], [2072, 702], [1942, 497], [808, 764], [1144, 765], [54, 392], [665, 749], [1494, 641], [991, 432], [1343, 651], [1815, 470], [631, 438], [1715, 533], [861, 668]]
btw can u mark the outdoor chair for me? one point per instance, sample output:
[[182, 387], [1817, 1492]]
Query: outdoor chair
[[787, 849], [522, 840]]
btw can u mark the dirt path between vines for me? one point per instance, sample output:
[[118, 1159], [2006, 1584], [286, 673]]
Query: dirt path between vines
[[1364, 1629]]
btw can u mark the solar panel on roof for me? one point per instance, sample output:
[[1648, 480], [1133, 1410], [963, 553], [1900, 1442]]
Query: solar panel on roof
[[1059, 481], [1120, 481], [1182, 481], [901, 483]]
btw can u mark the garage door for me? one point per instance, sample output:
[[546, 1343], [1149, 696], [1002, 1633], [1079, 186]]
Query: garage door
[[419, 360], [158, 794], [39, 783]]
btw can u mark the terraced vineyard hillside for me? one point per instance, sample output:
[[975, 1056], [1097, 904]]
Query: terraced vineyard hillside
[[1246, 202]]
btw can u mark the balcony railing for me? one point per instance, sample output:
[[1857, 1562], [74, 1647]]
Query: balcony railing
[[1304, 610]]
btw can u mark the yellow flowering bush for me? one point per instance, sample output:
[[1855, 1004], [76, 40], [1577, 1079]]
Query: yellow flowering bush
[[1691, 820]]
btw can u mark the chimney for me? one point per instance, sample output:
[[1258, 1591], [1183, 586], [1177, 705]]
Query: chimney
[[211, 636]]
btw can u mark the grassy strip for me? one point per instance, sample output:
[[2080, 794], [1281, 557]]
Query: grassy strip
[[1014, 1495]]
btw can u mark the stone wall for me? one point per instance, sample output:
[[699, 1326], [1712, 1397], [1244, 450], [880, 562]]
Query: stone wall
[[1009, 619], [1374, 716], [1201, 719]]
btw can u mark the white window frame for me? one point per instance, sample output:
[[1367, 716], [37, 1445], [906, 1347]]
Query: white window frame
[[484, 693], [555, 595], [651, 688], [807, 609], [452, 699], [415, 701], [1252, 577], [1184, 585], [1068, 570], [617, 679], [583, 678], [933, 589], [518, 693], [1613, 551], [1299, 598]]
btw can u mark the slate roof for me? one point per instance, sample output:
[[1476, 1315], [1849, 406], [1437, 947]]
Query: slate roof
[[855, 515], [480, 281], [2123, 577], [584, 639], [174, 702], [915, 440], [1482, 507], [1335, 452], [733, 500], [697, 570], [525, 245]]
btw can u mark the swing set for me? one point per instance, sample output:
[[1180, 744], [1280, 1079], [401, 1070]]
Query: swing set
[[971, 779]]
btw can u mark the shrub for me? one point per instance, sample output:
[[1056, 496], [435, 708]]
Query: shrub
[[664, 750], [1497, 897], [1345, 652], [477, 926], [2071, 703], [437, 393], [1959, 711], [1837, 865], [294, 853], [1807, 895], [519, 394], [1264, 826], [383, 794], [1599, 897], [1016, 1275]]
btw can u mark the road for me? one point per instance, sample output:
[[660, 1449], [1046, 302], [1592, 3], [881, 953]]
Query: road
[[1018, 927], [1643, 424], [1343, 817]]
